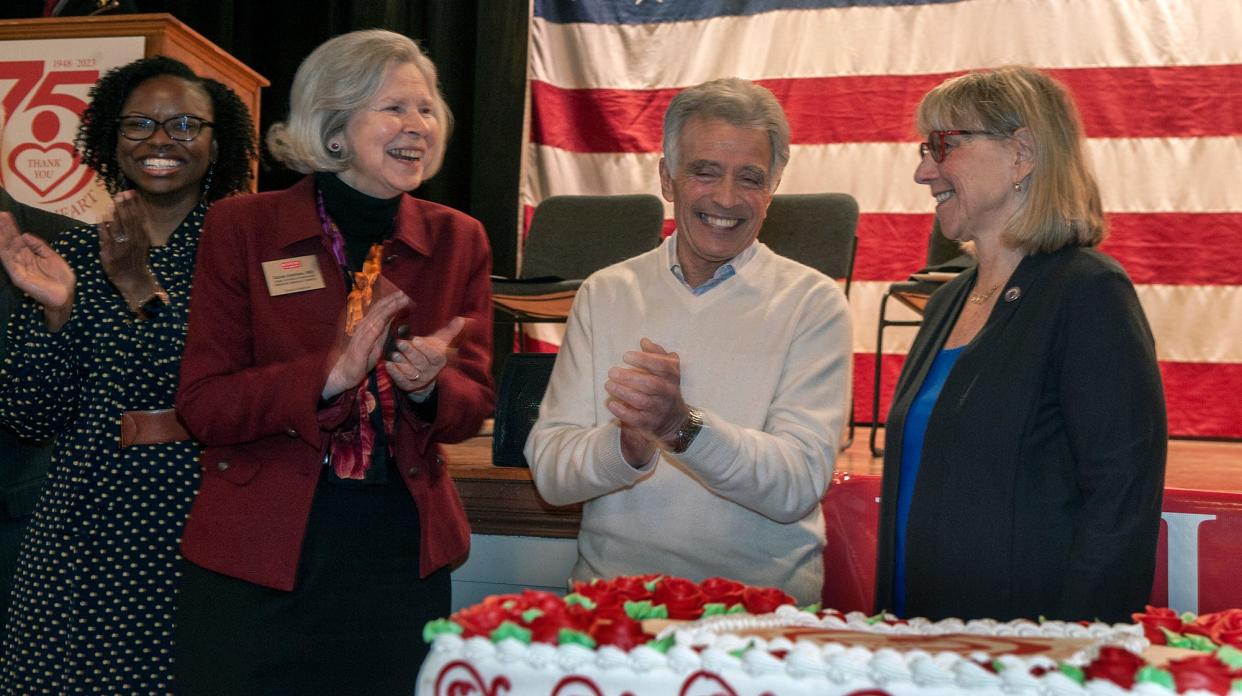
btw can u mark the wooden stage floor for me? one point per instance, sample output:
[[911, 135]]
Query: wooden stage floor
[[1192, 464]]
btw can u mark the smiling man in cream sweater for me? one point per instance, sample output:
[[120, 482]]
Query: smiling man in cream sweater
[[701, 390]]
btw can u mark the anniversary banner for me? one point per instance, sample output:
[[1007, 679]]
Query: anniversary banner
[[44, 87]]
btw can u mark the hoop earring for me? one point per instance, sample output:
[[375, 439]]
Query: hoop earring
[[211, 169]]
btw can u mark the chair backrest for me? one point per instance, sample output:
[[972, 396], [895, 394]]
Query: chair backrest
[[571, 237], [815, 229], [522, 384], [939, 247]]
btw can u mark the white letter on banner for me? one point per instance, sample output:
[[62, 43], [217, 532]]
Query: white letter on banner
[[1184, 559]]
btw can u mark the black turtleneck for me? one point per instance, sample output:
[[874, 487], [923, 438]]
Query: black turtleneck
[[362, 219]]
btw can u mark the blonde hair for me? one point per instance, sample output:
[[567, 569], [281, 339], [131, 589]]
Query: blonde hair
[[337, 79], [1062, 203]]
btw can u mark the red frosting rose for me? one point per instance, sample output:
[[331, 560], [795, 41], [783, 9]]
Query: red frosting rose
[[1116, 665], [485, 617], [1223, 627], [1155, 619], [723, 591], [613, 627], [616, 591], [683, 598], [762, 600], [1203, 672]]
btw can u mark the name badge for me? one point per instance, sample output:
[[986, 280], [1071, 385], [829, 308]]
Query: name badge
[[298, 274]]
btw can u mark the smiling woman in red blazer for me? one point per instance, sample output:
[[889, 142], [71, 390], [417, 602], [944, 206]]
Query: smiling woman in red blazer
[[340, 329]]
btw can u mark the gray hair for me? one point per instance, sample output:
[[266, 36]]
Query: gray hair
[[337, 79], [738, 102]]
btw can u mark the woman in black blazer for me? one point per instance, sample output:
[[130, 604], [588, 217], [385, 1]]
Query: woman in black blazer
[[1025, 449]]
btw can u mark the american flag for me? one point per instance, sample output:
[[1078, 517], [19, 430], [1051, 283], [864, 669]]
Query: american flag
[[1158, 84]]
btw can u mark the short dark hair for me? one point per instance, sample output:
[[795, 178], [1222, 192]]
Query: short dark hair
[[233, 130]]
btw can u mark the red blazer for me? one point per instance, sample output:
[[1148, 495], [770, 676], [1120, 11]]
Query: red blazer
[[255, 365]]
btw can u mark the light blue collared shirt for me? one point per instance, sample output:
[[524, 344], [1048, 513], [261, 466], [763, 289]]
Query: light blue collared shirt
[[726, 271]]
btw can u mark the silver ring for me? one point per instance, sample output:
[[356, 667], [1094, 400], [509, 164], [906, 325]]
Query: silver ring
[[417, 375], [121, 238]]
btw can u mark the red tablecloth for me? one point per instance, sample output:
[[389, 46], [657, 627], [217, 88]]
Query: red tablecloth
[[1198, 566]]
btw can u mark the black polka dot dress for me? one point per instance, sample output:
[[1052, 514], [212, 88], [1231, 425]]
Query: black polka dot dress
[[92, 600]]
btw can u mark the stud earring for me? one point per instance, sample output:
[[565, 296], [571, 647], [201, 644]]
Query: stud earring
[[1017, 186], [334, 145]]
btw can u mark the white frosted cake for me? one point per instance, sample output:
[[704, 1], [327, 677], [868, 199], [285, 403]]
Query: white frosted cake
[[660, 635]]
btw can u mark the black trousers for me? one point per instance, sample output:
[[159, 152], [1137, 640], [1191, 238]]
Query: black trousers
[[352, 625]]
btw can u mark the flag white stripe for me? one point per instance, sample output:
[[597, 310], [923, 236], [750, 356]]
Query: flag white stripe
[[1136, 175], [903, 40], [1185, 319]]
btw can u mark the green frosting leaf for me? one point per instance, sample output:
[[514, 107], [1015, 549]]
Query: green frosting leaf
[[714, 609], [873, 620], [737, 609], [575, 598], [568, 636], [1189, 641], [1074, 673], [438, 628], [742, 650], [998, 666], [663, 644], [1155, 675], [813, 608], [531, 614], [1231, 656], [1187, 617], [645, 610], [509, 629], [651, 584], [1202, 643]]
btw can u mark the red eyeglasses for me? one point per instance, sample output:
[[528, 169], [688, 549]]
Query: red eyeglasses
[[936, 143]]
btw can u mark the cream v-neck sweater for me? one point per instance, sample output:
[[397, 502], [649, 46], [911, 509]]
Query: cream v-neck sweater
[[766, 356]]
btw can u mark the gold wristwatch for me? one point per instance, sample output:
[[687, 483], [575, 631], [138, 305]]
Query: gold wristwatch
[[685, 433]]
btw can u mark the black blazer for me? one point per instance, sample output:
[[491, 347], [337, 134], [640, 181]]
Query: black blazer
[[1042, 472], [23, 464]]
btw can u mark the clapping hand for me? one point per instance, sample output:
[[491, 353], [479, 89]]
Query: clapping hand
[[415, 364], [38, 270], [645, 396], [124, 243], [361, 351]]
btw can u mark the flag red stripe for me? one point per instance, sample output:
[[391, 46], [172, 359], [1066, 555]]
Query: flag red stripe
[[1164, 248], [1154, 248], [1198, 396], [1144, 102]]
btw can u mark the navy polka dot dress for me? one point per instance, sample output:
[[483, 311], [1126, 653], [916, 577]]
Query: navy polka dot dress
[[92, 600]]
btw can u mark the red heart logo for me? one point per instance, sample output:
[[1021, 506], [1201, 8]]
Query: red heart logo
[[43, 168]]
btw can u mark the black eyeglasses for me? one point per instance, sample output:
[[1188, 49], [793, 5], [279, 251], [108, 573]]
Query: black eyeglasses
[[183, 128], [936, 143]]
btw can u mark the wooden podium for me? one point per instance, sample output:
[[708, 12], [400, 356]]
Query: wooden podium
[[162, 34]]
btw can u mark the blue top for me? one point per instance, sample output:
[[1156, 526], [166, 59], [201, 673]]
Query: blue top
[[911, 454]]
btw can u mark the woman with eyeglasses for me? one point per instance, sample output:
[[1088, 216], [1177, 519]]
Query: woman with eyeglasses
[[93, 362], [1025, 449]]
